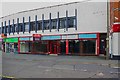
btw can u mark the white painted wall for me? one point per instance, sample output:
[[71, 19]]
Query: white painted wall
[[116, 44], [92, 17], [119, 43]]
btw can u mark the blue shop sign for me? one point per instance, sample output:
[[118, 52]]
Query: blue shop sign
[[51, 37], [87, 35], [24, 39]]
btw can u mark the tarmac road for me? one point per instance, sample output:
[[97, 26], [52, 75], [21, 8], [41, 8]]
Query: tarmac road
[[46, 66]]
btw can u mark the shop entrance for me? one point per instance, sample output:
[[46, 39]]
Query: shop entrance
[[54, 47], [103, 43]]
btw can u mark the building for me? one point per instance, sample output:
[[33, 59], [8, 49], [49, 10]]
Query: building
[[114, 38], [78, 28]]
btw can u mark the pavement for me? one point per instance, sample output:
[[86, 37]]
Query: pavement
[[50, 66]]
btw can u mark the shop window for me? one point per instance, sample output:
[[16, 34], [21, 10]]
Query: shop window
[[74, 47], [54, 23], [40, 47], [16, 47], [25, 46], [26, 27], [46, 24], [88, 46]]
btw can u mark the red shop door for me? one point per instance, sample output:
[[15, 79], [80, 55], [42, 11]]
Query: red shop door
[[54, 47]]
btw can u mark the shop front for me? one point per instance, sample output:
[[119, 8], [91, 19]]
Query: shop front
[[25, 44], [72, 44], [11, 45], [33, 45], [88, 44], [39, 46], [67, 44], [53, 43]]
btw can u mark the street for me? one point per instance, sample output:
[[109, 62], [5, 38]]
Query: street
[[47, 66]]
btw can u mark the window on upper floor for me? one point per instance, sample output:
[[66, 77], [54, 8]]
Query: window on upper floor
[[71, 22], [54, 23], [15, 27], [46, 24], [20, 27], [33, 26], [3, 29], [39, 25], [11, 30], [26, 27], [7, 29], [62, 23]]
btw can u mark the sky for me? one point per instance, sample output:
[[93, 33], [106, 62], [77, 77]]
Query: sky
[[8, 7]]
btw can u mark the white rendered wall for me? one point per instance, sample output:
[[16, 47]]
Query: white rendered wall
[[116, 44], [91, 17]]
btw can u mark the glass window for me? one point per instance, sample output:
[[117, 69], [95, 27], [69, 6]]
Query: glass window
[[15, 27], [39, 25], [46, 24], [71, 22], [26, 27], [7, 29], [40, 47], [32, 26], [20, 27], [63, 47], [54, 23], [88, 46], [74, 47], [11, 29], [3, 29], [62, 23]]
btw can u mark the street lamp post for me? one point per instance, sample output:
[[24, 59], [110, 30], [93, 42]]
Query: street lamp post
[[107, 39]]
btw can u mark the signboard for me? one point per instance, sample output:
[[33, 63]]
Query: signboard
[[11, 40], [51, 37], [70, 37], [116, 27], [87, 35], [25, 39], [36, 35]]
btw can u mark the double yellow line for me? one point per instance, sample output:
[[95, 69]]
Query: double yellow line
[[6, 76]]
